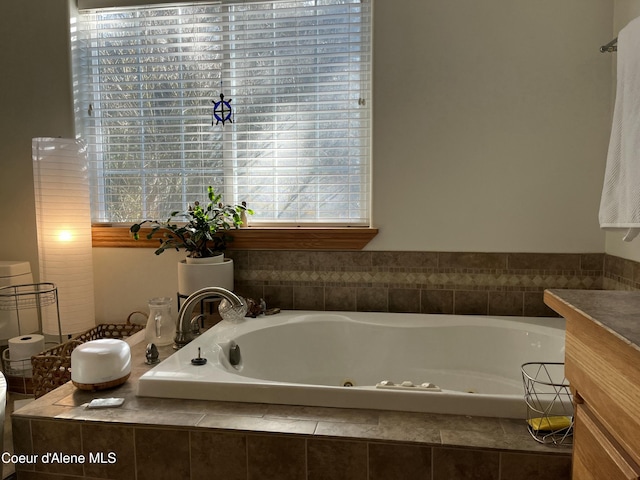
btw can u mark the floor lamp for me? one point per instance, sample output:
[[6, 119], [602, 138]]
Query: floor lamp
[[63, 216]]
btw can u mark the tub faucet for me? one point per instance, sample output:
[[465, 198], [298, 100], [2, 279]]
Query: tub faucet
[[184, 332]]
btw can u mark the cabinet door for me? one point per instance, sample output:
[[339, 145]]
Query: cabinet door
[[597, 456]]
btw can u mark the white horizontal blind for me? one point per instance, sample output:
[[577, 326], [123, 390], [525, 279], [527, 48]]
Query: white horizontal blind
[[297, 74]]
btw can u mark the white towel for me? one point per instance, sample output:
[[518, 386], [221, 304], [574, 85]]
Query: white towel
[[620, 203]]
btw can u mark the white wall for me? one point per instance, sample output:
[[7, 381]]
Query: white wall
[[625, 11], [35, 101], [491, 123], [126, 278]]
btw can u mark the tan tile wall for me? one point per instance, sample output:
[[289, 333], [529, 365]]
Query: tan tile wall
[[182, 454], [413, 282], [621, 274]]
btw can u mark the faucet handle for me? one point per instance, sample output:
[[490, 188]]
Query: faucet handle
[[195, 324], [151, 354]]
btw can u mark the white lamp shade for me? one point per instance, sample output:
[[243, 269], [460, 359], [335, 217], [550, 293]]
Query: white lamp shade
[[63, 216]]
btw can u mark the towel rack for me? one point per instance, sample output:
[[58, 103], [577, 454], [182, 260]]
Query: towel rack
[[610, 47]]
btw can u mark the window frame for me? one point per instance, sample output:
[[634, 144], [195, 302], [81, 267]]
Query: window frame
[[252, 238]]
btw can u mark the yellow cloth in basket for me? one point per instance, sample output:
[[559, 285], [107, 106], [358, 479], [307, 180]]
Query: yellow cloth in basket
[[549, 424]]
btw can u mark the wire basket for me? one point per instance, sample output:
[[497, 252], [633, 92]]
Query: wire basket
[[27, 306], [18, 373], [32, 295], [549, 403]]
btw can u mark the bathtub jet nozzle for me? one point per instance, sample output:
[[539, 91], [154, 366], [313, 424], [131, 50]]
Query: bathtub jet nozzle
[[184, 333], [234, 354]]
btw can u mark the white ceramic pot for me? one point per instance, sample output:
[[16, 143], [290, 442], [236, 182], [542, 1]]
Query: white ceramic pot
[[194, 276], [205, 260]]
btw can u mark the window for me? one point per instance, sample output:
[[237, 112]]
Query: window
[[296, 74]]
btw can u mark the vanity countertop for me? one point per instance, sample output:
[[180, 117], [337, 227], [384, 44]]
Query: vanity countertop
[[616, 311], [602, 365]]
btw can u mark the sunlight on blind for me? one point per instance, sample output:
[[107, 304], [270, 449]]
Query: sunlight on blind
[[298, 77]]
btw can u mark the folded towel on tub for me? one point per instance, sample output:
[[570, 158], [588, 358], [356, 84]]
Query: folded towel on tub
[[620, 202]]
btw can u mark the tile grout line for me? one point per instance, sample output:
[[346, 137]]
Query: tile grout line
[[246, 454], [368, 461], [135, 455], [306, 459]]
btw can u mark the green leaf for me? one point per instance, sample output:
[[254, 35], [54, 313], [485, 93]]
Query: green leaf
[[202, 229]]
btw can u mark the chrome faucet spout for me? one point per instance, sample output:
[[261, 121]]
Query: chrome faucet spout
[[184, 332]]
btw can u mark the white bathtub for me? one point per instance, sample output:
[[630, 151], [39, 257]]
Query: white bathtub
[[305, 358]]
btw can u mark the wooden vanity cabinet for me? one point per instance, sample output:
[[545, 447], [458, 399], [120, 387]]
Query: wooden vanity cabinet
[[603, 369], [597, 456]]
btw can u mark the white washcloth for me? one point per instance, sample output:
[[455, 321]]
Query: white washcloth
[[620, 203]]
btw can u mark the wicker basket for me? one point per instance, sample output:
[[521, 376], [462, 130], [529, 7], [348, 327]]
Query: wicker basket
[[52, 367]]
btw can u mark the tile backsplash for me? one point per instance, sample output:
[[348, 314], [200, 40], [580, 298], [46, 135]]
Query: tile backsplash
[[621, 274], [414, 282]]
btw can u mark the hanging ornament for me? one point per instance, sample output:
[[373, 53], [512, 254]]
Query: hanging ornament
[[221, 111]]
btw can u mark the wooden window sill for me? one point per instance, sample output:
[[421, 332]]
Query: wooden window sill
[[255, 238]]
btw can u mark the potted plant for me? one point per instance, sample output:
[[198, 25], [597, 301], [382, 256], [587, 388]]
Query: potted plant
[[204, 235]]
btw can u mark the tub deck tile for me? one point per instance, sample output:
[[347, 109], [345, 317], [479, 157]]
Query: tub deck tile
[[422, 428], [397, 433], [133, 417], [487, 425], [253, 424], [333, 415], [478, 439]]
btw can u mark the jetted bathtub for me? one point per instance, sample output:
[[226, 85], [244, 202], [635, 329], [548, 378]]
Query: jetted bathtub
[[391, 361]]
